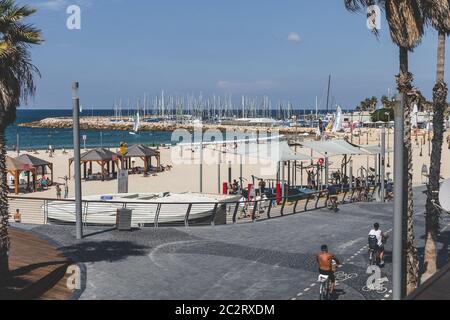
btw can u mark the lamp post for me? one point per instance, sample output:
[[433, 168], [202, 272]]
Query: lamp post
[[388, 139], [429, 134], [399, 198], [382, 162], [18, 143], [77, 159]]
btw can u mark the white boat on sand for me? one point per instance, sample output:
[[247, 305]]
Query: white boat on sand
[[147, 209]]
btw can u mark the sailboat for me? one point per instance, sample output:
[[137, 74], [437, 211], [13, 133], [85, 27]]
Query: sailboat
[[414, 117], [137, 124], [318, 133], [337, 126]]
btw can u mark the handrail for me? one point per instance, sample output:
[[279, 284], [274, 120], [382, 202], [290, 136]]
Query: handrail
[[253, 208], [156, 203]]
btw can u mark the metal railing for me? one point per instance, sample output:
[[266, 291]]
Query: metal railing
[[156, 214]]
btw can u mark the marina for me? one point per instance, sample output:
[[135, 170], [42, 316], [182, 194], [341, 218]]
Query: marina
[[224, 151]]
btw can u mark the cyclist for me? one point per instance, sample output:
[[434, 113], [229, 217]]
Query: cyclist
[[376, 242], [333, 198], [325, 262]]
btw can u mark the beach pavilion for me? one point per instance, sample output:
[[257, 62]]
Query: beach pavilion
[[282, 154], [106, 159], [39, 164], [15, 168], [144, 153], [332, 148]]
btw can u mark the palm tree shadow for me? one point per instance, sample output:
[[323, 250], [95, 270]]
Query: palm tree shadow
[[337, 293], [110, 251], [443, 254], [18, 286]]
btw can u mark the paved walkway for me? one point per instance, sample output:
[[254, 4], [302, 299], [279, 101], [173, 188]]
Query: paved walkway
[[272, 259]]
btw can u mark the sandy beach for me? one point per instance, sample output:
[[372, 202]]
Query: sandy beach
[[185, 177]]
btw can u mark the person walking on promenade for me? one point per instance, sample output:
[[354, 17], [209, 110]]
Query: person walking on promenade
[[262, 186]]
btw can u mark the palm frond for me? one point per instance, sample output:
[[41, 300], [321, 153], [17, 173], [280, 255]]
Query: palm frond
[[405, 21], [17, 72], [437, 14]]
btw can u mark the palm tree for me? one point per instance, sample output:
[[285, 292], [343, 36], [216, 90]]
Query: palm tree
[[406, 26], [436, 13], [16, 83]]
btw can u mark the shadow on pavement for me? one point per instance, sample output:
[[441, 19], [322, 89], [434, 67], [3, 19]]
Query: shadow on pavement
[[104, 251]]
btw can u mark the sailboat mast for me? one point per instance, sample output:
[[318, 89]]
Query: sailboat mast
[[328, 93], [317, 108]]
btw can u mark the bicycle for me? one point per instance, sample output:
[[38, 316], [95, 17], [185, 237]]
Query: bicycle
[[333, 203], [325, 287], [325, 283], [374, 257]]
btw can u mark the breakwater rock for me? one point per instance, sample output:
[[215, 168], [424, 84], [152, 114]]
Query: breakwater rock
[[104, 124]]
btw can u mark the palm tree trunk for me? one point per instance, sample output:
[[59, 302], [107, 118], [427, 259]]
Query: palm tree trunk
[[404, 82], [432, 213], [4, 238]]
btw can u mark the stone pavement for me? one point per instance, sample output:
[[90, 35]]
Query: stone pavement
[[273, 259]]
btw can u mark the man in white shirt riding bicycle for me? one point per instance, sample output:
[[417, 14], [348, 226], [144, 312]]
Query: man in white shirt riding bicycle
[[376, 241]]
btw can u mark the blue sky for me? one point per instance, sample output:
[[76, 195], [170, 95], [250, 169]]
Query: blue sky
[[285, 49]]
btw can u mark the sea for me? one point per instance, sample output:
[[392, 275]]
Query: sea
[[41, 138]]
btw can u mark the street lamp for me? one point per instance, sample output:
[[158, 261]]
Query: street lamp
[[429, 135], [388, 114]]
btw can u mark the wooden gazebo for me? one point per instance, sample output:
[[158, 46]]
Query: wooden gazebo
[[38, 164], [15, 168], [144, 153], [105, 158]]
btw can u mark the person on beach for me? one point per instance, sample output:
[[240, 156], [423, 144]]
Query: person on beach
[[17, 216], [448, 141], [66, 190], [58, 192], [43, 183]]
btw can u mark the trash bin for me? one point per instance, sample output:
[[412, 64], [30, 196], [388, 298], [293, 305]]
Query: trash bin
[[123, 219]]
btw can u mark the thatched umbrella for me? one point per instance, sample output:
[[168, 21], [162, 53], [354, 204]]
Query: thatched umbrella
[[37, 164], [101, 156], [143, 152], [15, 168]]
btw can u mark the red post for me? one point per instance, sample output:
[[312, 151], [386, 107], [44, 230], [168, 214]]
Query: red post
[[278, 192], [225, 188], [250, 187]]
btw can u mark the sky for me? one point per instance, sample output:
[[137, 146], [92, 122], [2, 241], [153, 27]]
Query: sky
[[283, 49]]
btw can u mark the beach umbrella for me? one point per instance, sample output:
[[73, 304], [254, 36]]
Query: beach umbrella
[[17, 165]]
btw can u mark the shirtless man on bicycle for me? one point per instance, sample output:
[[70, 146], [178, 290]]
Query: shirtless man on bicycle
[[325, 261]]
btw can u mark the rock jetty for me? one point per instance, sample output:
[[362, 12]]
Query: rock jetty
[[105, 123]]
